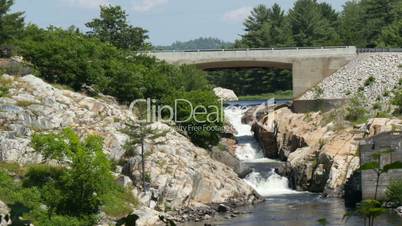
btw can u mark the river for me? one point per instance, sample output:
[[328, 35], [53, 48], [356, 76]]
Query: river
[[283, 206]]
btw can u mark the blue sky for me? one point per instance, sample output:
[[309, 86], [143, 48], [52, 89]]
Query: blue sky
[[166, 20]]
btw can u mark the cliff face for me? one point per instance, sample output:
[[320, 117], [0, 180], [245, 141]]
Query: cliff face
[[181, 174], [318, 157]]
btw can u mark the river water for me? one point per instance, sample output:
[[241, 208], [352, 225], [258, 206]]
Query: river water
[[283, 206]]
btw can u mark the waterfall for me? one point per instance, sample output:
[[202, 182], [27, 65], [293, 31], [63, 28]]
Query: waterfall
[[269, 184], [248, 150]]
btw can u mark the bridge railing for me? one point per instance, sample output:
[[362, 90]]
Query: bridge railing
[[246, 49], [379, 50]]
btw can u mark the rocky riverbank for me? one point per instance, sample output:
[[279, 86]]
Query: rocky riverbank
[[181, 175], [320, 154]]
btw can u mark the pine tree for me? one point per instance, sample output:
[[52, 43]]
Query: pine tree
[[308, 26], [391, 36], [113, 27], [351, 24], [11, 24], [253, 26], [140, 133], [267, 27], [379, 14]]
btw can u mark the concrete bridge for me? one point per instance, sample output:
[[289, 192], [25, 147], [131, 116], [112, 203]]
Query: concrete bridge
[[309, 65]]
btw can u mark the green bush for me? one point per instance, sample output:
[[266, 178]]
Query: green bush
[[40, 175], [394, 192], [73, 195], [204, 131], [5, 85], [369, 81], [7, 51], [16, 68], [356, 110], [113, 201], [397, 101]]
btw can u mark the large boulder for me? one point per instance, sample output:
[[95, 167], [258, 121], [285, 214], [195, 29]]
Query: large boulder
[[5, 217], [318, 157], [225, 94]]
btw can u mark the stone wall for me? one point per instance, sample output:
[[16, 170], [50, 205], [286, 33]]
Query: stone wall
[[380, 142]]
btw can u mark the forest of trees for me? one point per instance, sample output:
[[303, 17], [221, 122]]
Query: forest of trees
[[361, 23], [256, 81], [199, 43]]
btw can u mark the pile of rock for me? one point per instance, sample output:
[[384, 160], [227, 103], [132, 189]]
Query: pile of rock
[[373, 74]]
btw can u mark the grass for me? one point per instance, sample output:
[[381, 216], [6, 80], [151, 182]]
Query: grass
[[288, 94], [24, 103], [120, 202], [5, 85], [13, 168]]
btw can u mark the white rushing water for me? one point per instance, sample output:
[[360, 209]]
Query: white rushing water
[[248, 150], [269, 185]]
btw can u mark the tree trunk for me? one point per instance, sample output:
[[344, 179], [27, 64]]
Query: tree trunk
[[376, 185], [143, 164]]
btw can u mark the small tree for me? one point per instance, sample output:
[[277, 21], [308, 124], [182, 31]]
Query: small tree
[[87, 179], [375, 166], [372, 208], [369, 210], [11, 24], [113, 27], [356, 110], [140, 133]]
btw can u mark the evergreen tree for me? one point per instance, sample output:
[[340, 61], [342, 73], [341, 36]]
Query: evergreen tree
[[141, 133], [267, 27], [253, 25], [112, 27], [308, 25], [351, 24], [379, 14], [11, 24], [391, 36]]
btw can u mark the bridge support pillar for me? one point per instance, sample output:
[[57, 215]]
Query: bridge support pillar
[[310, 71]]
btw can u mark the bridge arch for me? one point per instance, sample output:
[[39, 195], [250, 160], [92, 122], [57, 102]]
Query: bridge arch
[[309, 65]]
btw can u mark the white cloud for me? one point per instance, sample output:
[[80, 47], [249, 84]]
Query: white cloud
[[146, 5], [88, 4], [237, 15]]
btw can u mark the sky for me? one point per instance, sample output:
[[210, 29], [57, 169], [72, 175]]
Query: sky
[[166, 20]]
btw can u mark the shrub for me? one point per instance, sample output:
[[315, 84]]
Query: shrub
[[86, 184], [397, 101], [7, 51], [5, 85], [119, 202], [394, 192], [203, 131], [40, 175], [355, 110], [369, 81]]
